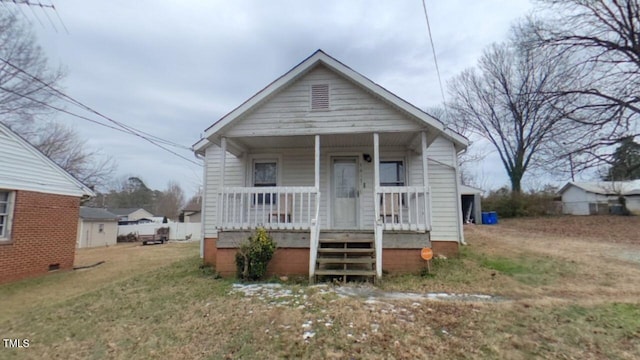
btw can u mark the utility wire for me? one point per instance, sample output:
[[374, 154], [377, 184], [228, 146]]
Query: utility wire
[[73, 101], [94, 121], [435, 58], [125, 128]]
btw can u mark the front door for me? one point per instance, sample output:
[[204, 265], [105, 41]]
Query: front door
[[345, 192]]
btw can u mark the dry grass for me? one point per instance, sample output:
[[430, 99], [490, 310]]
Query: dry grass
[[567, 297]]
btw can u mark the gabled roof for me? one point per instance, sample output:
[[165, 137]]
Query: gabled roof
[[320, 57], [630, 187], [89, 213], [24, 167], [124, 211]]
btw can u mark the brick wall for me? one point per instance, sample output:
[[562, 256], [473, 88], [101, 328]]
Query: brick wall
[[446, 248], [210, 251], [285, 261], [43, 232]]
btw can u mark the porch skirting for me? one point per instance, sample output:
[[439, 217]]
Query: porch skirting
[[295, 261]]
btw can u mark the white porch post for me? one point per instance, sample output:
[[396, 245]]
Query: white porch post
[[223, 156], [314, 237], [425, 181], [317, 163], [376, 204], [376, 173]]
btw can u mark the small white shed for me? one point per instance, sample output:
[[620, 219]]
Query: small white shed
[[97, 227], [471, 201], [591, 198]]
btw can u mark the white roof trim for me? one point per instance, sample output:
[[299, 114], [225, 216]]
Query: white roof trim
[[321, 57], [83, 190], [627, 187]]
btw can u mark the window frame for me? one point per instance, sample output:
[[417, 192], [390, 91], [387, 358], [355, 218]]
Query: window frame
[[258, 200], [404, 174], [8, 216]]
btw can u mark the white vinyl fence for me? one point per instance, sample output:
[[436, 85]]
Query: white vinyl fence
[[178, 231]]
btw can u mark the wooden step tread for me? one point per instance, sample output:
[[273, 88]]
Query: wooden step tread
[[340, 241], [346, 272], [346, 251], [358, 260]]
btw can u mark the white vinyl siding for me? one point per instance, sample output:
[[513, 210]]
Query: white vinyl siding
[[443, 182], [234, 176], [353, 110], [25, 168]]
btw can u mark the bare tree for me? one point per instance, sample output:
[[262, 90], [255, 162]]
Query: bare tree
[[505, 101], [25, 77], [64, 146], [170, 202], [19, 50], [471, 155], [602, 38]]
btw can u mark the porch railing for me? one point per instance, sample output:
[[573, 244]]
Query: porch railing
[[404, 208], [277, 207]]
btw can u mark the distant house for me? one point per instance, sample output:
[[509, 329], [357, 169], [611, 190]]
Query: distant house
[[348, 178], [97, 227], [192, 213], [39, 209], [128, 216], [591, 198]]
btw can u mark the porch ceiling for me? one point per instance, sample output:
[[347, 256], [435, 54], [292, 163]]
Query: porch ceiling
[[338, 140]]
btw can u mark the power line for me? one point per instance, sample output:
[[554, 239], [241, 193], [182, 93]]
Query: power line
[[43, 7], [435, 58], [125, 128], [63, 96], [97, 122]]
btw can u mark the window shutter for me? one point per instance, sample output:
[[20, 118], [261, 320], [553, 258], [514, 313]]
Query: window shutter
[[320, 97]]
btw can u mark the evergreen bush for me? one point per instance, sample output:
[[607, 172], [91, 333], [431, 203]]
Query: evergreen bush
[[254, 255]]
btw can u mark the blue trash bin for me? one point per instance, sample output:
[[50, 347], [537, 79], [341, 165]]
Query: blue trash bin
[[489, 218], [485, 218], [493, 217]]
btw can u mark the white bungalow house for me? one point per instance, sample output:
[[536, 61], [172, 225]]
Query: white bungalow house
[[349, 179]]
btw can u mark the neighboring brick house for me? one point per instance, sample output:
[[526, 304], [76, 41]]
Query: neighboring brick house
[[39, 208]]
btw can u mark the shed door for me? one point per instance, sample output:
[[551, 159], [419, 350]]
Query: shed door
[[345, 192]]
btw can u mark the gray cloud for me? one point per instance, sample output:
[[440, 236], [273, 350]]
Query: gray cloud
[[174, 68]]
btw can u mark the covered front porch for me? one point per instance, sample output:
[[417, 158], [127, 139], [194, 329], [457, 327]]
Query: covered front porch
[[374, 183]]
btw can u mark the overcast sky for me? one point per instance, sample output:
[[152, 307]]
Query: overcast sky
[[172, 68]]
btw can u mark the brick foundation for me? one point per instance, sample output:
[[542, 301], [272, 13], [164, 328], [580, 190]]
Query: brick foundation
[[210, 251], [402, 261], [295, 261], [285, 261], [446, 248], [43, 232]]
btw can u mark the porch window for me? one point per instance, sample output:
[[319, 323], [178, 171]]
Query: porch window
[[6, 210], [265, 173], [391, 173]]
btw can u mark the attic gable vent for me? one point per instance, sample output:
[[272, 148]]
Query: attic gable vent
[[320, 97]]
